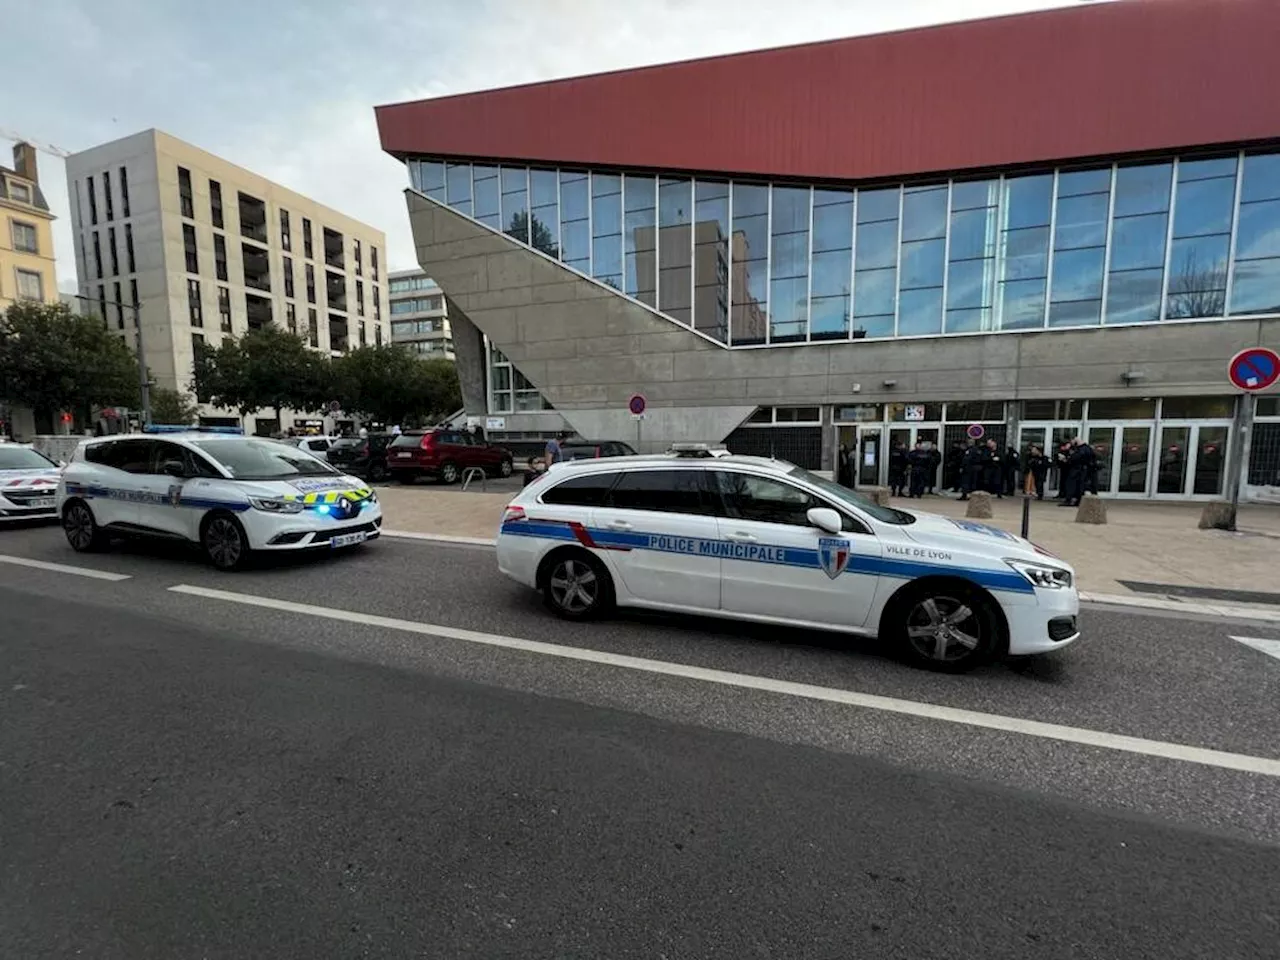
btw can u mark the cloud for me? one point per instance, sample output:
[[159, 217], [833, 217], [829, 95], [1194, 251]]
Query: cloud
[[287, 90]]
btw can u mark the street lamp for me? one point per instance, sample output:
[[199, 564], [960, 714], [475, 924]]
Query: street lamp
[[144, 381]]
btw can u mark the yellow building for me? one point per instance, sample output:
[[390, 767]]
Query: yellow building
[[26, 235]]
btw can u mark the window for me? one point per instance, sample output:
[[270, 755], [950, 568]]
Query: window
[[102, 302], [313, 328], [193, 303], [93, 201], [124, 192], [185, 200], [763, 500], [22, 193], [377, 308], [606, 228], [750, 266], [1139, 228], [311, 283], [291, 318], [360, 298], [373, 262], [971, 261], [639, 237], [458, 183], [215, 203], [588, 491], [97, 254], [666, 491], [1256, 271], [131, 456], [224, 309], [789, 265], [133, 299], [306, 238], [119, 306], [30, 285], [286, 242], [875, 278], [922, 260], [287, 263], [24, 236], [355, 255], [128, 246], [1024, 251], [1203, 203], [675, 243], [544, 212], [111, 248], [220, 256], [360, 330], [831, 265], [575, 224], [1197, 408], [106, 195], [189, 248]]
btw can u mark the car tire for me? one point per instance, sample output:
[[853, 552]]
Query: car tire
[[224, 542], [576, 585], [82, 530], [505, 468], [448, 473], [947, 626], [377, 472]]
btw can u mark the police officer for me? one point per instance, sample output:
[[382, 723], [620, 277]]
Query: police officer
[[1037, 469], [919, 463], [898, 465], [971, 469], [935, 460], [955, 467], [992, 475]]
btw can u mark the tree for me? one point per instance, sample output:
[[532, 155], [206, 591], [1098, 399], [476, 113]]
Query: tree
[[172, 406], [541, 237], [266, 368], [391, 384], [1197, 291], [52, 360]]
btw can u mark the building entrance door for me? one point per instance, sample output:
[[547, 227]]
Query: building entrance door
[[1049, 437], [1191, 459], [871, 458], [1124, 458], [917, 433]]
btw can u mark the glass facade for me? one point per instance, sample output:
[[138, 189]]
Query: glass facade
[[755, 263]]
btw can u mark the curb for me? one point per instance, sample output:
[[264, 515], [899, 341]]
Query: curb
[[1233, 611]]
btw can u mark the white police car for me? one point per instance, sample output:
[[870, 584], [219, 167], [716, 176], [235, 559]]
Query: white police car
[[232, 495], [764, 540], [28, 484]]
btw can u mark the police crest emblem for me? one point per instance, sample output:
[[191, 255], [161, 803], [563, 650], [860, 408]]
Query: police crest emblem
[[833, 554], [175, 494]]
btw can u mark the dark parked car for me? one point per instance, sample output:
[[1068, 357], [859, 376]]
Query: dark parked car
[[363, 456], [591, 449], [444, 454]]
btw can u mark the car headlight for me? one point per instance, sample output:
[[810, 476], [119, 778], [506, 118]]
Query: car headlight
[[372, 497], [276, 505], [1042, 575]]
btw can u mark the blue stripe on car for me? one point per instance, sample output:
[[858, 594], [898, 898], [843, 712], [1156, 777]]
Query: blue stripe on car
[[763, 553], [91, 491]]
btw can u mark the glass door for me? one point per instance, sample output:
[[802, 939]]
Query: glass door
[[870, 453], [1103, 441], [1173, 455], [1192, 460], [1124, 458], [1209, 474]]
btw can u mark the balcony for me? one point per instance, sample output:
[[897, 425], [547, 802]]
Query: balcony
[[339, 334], [257, 267], [333, 249], [258, 310], [253, 218], [335, 289]]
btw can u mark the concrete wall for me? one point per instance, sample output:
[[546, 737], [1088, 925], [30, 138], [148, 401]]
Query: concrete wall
[[588, 348]]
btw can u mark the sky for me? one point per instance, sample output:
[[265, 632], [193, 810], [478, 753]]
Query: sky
[[286, 88]]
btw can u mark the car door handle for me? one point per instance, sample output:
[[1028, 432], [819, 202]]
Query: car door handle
[[741, 536], [620, 525]]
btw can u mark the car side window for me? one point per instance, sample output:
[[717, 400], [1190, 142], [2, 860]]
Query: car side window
[[765, 500], [317, 444], [665, 491], [102, 454], [133, 456], [589, 491]]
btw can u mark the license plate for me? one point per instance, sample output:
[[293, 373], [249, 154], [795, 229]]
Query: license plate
[[404, 456], [348, 539], [43, 503]]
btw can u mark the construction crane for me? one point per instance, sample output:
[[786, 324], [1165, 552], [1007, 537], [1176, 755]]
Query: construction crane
[[39, 145]]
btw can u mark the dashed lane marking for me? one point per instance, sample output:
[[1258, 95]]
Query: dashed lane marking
[[64, 568], [1270, 647], [972, 718]]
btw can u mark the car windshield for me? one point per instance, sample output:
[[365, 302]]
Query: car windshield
[[346, 442], [407, 440], [852, 498], [22, 458], [252, 459]]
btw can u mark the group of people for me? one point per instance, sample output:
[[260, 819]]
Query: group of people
[[915, 470]]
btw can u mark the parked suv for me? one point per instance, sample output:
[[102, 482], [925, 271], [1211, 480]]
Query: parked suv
[[362, 456], [444, 454], [592, 449]]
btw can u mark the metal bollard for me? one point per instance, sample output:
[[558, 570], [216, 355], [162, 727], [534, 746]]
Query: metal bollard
[[1026, 516], [471, 473]]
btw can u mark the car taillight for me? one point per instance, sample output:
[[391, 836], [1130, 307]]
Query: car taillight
[[364, 449], [427, 441], [513, 513]]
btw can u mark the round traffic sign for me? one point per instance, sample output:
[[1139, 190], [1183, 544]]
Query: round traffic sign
[[636, 404], [334, 406], [976, 431], [1254, 369]]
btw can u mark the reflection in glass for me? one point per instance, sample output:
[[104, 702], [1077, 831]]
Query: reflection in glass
[[924, 213], [711, 259], [1139, 230], [1211, 461], [1102, 439], [971, 270], [458, 183], [606, 228], [515, 202], [749, 250], [1134, 296], [789, 265], [487, 205], [1171, 476], [639, 237], [1079, 244], [431, 173], [544, 218], [1255, 282], [875, 279], [675, 249], [830, 283], [1135, 452], [575, 232], [1143, 189], [1024, 251]]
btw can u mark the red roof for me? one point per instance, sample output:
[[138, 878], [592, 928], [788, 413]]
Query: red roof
[[1098, 79]]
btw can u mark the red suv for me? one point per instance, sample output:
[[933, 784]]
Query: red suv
[[444, 454]]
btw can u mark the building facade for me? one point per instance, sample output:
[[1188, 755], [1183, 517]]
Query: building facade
[[27, 269], [204, 249], [419, 316], [773, 261]]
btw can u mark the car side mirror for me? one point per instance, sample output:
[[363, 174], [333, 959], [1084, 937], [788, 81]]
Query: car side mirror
[[174, 468], [825, 519]]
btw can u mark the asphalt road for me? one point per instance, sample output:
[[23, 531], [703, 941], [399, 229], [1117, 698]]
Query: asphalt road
[[189, 776]]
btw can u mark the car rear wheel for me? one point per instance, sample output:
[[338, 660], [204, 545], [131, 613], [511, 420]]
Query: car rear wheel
[[83, 532], [449, 473], [504, 469], [225, 543], [377, 471], [948, 627], [576, 586]]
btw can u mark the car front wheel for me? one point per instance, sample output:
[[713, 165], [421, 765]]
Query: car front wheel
[[449, 473], [949, 627], [576, 586], [225, 543], [504, 469]]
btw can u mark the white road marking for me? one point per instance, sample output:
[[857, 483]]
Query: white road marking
[[64, 568], [990, 721], [1270, 647], [440, 538]]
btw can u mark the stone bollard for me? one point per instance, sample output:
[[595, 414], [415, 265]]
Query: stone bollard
[[1217, 515], [1092, 509], [979, 505], [878, 494]]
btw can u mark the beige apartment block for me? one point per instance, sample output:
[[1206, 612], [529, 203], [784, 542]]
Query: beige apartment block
[[204, 249], [26, 237]]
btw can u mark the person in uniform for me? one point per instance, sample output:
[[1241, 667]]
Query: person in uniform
[[1037, 469], [1081, 464], [954, 468], [1009, 470], [919, 464], [992, 470], [971, 469], [898, 465], [935, 460]]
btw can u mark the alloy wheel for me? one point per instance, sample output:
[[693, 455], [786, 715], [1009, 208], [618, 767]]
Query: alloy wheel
[[943, 629], [449, 473], [574, 586], [505, 469], [78, 525], [224, 543]]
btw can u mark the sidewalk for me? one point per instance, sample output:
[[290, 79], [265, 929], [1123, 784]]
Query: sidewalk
[[1152, 543]]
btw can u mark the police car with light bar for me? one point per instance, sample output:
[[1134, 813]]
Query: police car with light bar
[[231, 495], [28, 482], [699, 531]]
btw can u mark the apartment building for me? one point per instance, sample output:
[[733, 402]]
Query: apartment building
[[26, 236], [419, 314], [204, 249]]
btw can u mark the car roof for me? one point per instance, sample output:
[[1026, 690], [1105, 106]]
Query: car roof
[[765, 464]]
